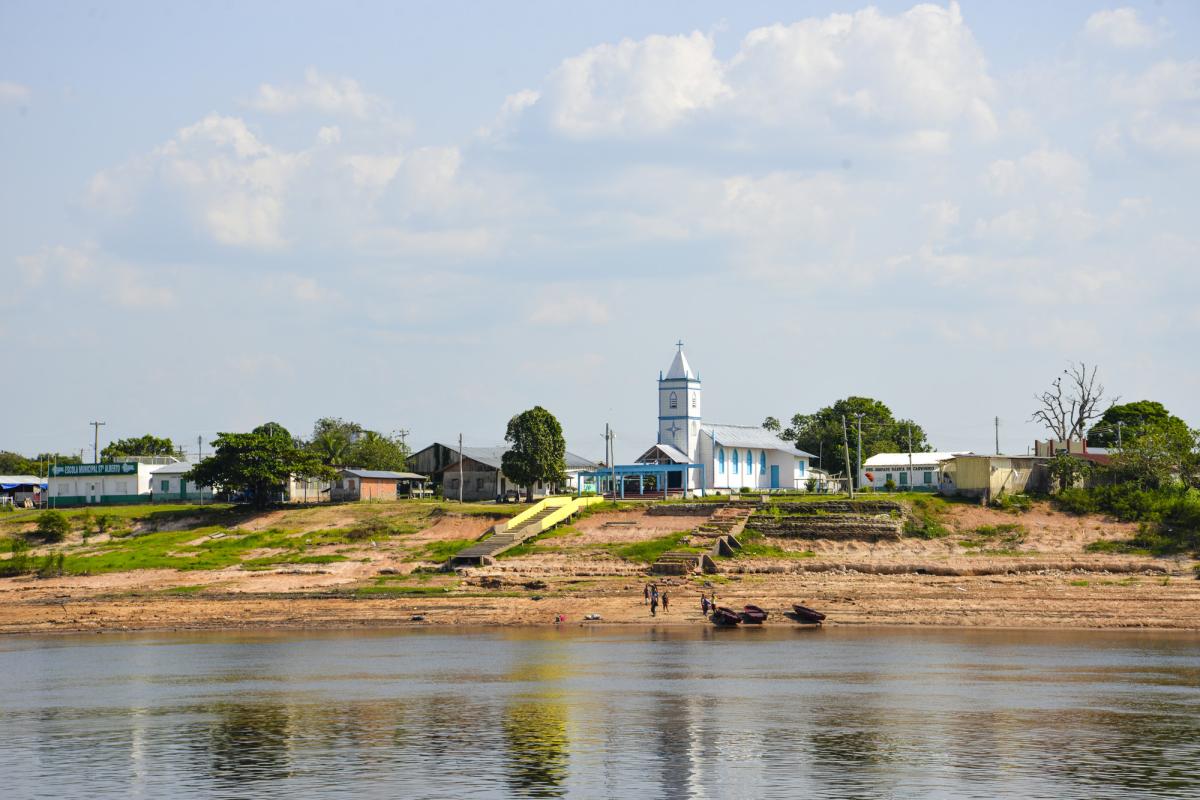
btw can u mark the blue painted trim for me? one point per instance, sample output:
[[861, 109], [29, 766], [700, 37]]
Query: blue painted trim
[[677, 416], [696, 381]]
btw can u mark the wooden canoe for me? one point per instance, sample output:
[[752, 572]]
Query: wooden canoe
[[725, 617], [753, 615], [807, 614]]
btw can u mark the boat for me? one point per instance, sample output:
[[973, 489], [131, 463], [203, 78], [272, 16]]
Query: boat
[[725, 617], [753, 615], [808, 615]]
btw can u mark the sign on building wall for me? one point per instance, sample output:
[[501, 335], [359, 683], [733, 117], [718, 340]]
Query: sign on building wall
[[123, 468]]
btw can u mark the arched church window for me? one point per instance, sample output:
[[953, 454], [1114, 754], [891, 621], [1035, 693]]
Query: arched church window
[[674, 401], [735, 462], [693, 401], [721, 460], [762, 463], [749, 462]]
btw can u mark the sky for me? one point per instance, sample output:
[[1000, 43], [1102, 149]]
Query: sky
[[431, 216]]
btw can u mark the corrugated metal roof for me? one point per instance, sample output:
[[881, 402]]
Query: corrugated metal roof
[[22, 479], [750, 436], [673, 453], [383, 473], [493, 457], [918, 459], [178, 468]]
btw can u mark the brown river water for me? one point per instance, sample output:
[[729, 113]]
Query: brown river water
[[623, 713]]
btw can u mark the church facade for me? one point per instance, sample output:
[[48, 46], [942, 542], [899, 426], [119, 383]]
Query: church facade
[[720, 458]]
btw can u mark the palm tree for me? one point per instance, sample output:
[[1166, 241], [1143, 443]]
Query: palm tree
[[332, 446]]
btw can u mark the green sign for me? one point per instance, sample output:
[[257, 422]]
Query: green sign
[[123, 468]]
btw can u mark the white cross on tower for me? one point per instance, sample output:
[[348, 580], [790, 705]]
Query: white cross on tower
[[679, 344]]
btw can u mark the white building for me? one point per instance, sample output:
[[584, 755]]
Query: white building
[[717, 457], [906, 471], [168, 486], [117, 483]]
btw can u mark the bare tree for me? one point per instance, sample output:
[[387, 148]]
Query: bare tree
[[1072, 402]]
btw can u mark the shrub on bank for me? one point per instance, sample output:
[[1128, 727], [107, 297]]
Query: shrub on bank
[[52, 526], [1170, 517]]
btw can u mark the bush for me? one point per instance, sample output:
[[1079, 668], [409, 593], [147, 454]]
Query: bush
[[1013, 503], [924, 521], [19, 563], [889, 485], [1076, 501], [52, 526]]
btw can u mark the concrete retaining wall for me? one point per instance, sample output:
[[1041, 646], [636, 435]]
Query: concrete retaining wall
[[847, 526], [841, 507], [683, 509]]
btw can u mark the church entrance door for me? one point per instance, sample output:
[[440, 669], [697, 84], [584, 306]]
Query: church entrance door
[[774, 476]]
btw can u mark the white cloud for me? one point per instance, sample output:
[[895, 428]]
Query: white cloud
[[11, 92], [87, 269], [918, 74], [317, 93], [329, 134], [510, 112], [1055, 171], [566, 305], [635, 87], [1120, 27], [913, 69]]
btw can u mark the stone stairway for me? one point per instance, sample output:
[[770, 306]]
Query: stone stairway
[[719, 534], [489, 548]]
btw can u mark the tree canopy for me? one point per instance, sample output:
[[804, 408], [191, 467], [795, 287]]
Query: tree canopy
[[258, 463], [1125, 422], [1161, 455], [148, 445], [340, 443], [1071, 403], [17, 464], [538, 450], [821, 433]]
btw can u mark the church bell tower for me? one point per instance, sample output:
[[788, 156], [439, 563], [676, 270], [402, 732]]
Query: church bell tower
[[679, 406]]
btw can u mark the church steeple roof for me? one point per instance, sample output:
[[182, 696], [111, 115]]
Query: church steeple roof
[[680, 368]]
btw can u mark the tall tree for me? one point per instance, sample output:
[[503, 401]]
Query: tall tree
[[148, 445], [1125, 422], [333, 438], [537, 450], [821, 433], [374, 450], [1161, 455], [259, 463], [772, 424], [1071, 403]]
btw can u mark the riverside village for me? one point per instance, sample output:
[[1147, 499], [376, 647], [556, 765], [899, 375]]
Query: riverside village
[[845, 516]]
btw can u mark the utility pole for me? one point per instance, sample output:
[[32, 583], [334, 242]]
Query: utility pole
[[200, 457], [997, 436], [846, 452], [95, 441], [858, 472], [910, 480], [403, 434], [1120, 424], [81, 450], [460, 469]]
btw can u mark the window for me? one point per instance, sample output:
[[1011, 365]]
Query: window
[[479, 484], [693, 401], [887, 477], [721, 460], [904, 479], [800, 466], [454, 483], [165, 485], [762, 463], [674, 401], [928, 478], [749, 463], [735, 462]]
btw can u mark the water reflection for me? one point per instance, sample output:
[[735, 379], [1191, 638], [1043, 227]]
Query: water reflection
[[670, 714]]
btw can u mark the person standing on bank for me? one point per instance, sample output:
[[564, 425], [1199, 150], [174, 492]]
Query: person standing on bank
[[665, 602], [654, 604], [646, 594]]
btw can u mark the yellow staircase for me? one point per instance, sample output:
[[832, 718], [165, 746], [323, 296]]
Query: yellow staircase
[[529, 523]]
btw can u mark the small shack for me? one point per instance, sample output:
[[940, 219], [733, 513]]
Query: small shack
[[376, 484], [986, 476], [21, 490]]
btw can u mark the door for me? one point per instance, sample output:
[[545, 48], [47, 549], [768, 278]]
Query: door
[[92, 498], [774, 476]]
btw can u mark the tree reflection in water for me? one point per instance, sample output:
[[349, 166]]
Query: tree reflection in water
[[535, 732], [247, 743]]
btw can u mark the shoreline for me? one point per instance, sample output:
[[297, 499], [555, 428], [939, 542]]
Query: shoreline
[[1015, 601]]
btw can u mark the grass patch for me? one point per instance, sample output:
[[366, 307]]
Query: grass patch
[[442, 550], [925, 518], [755, 545], [1109, 546], [1013, 503], [392, 590], [1002, 537], [195, 588], [1081, 584], [649, 551]]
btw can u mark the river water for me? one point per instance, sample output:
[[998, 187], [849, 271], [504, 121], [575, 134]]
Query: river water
[[632, 713]]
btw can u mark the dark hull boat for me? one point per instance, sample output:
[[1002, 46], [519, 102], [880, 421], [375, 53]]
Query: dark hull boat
[[753, 615], [725, 617], [808, 615]]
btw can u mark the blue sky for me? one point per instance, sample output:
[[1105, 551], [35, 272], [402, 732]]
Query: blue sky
[[431, 216]]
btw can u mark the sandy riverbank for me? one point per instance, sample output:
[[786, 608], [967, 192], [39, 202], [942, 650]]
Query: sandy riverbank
[[1066, 600]]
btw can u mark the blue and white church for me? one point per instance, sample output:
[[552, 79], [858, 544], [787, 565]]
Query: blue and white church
[[694, 456]]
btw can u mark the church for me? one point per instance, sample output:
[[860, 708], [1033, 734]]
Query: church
[[692, 456]]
